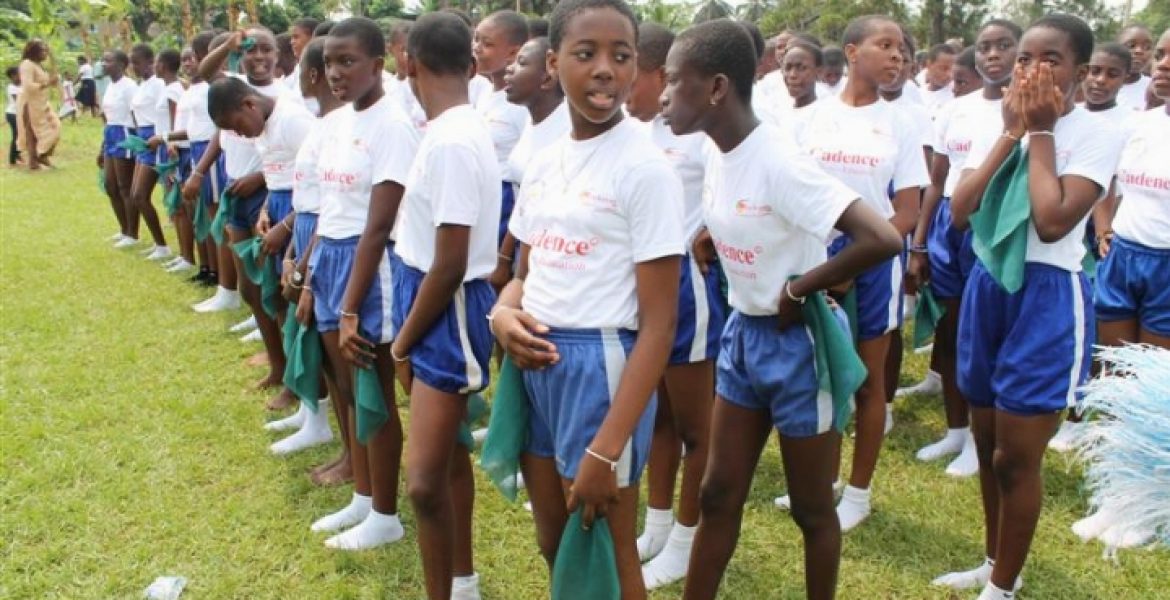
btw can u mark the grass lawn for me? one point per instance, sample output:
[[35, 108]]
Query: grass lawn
[[132, 447]]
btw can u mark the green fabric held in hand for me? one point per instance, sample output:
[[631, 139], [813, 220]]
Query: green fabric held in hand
[[371, 406], [1000, 226], [1089, 263], [849, 305], [172, 200], [200, 221], [260, 270], [840, 371], [226, 201], [927, 314], [586, 566], [134, 144], [476, 408], [302, 373], [507, 430], [236, 56]]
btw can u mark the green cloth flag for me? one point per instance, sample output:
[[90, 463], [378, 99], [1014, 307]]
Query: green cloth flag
[[172, 200], [260, 270], [226, 201], [476, 408], [1089, 262], [927, 313], [1000, 226], [302, 374], [371, 405], [586, 566], [840, 371], [849, 305], [507, 430], [134, 144], [235, 56], [200, 221]]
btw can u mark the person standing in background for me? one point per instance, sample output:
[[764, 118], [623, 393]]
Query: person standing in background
[[86, 87], [13, 92], [37, 124]]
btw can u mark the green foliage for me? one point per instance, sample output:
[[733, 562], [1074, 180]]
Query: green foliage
[[383, 9], [940, 20], [1156, 16], [670, 15], [713, 9], [1100, 16], [827, 19]]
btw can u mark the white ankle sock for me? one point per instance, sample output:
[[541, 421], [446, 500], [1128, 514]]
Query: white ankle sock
[[966, 463], [853, 508], [376, 530], [991, 592], [671, 564], [314, 431], [352, 514], [889, 419], [653, 538], [293, 421], [967, 580], [465, 588], [951, 443], [785, 502]]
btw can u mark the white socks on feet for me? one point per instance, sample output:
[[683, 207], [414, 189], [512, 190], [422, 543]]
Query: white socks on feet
[[245, 325], [252, 336], [967, 463], [785, 502], [376, 530], [351, 515], [465, 588], [1066, 437], [289, 423], [889, 419], [654, 536], [314, 431], [126, 242], [979, 577], [853, 508], [671, 564], [931, 384], [950, 444], [991, 592], [224, 299]]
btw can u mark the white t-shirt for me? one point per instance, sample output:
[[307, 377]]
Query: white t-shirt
[[912, 93], [770, 211], [963, 121], [1086, 147], [240, 157], [479, 88], [455, 180], [770, 98], [306, 187], [918, 117], [1122, 117], [284, 132], [85, 72], [865, 148], [825, 90], [1133, 95], [688, 154], [173, 92], [535, 138], [145, 102], [13, 93], [358, 151], [191, 113], [116, 102], [400, 90], [505, 121], [937, 99], [1143, 179], [589, 211]]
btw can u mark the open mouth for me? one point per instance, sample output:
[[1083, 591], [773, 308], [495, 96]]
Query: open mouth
[[601, 100]]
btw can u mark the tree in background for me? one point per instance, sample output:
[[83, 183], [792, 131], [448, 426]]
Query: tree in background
[[1156, 16], [713, 9], [827, 19], [940, 20], [671, 16]]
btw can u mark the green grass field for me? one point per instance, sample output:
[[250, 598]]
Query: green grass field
[[132, 448]]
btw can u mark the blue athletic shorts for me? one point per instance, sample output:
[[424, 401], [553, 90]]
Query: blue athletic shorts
[[246, 211], [214, 180], [330, 267], [146, 157], [700, 315], [570, 399], [183, 169], [1133, 282], [507, 203], [112, 135], [950, 252], [303, 228], [1025, 353], [763, 368], [879, 295], [453, 356], [279, 205]]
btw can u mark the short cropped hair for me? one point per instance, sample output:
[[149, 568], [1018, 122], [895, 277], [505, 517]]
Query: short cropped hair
[[366, 32], [654, 42], [225, 95], [441, 42], [567, 9], [721, 47], [1080, 35]]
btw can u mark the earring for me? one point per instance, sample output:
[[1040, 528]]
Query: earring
[[714, 102]]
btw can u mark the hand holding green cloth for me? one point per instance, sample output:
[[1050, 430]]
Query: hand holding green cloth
[[1000, 226], [371, 405], [586, 566], [200, 222], [302, 373], [260, 270], [226, 201], [171, 196], [840, 371], [134, 144], [476, 408], [927, 314], [507, 430], [235, 56]]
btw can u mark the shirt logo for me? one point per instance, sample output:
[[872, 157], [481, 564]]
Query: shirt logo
[[737, 255], [1140, 179], [845, 158], [551, 242], [345, 179], [744, 208], [597, 201]]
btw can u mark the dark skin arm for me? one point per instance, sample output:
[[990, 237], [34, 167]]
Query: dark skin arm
[[905, 210], [304, 312], [1103, 215], [503, 273], [874, 240], [246, 185], [213, 63], [969, 192], [918, 271], [518, 331], [192, 185], [384, 200], [595, 487]]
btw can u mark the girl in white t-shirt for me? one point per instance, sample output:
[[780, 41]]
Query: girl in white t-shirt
[[166, 68], [177, 144], [118, 163], [872, 146], [940, 253], [1140, 42], [151, 88], [590, 316], [1025, 336], [769, 210]]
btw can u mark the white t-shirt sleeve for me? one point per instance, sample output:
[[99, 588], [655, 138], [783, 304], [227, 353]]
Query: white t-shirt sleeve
[[1095, 157], [174, 91], [390, 159], [456, 198], [297, 128], [910, 168], [811, 199], [518, 224], [652, 197]]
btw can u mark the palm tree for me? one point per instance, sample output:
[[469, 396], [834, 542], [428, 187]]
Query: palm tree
[[713, 9]]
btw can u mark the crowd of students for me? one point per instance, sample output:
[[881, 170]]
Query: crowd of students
[[682, 243]]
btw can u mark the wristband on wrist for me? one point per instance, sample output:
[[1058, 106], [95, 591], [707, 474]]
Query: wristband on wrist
[[788, 292], [613, 464]]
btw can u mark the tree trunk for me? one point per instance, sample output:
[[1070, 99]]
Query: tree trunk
[[188, 24]]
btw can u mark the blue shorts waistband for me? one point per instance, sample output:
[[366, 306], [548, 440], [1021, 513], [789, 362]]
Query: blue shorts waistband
[[1133, 246], [338, 242], [590, 335]]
